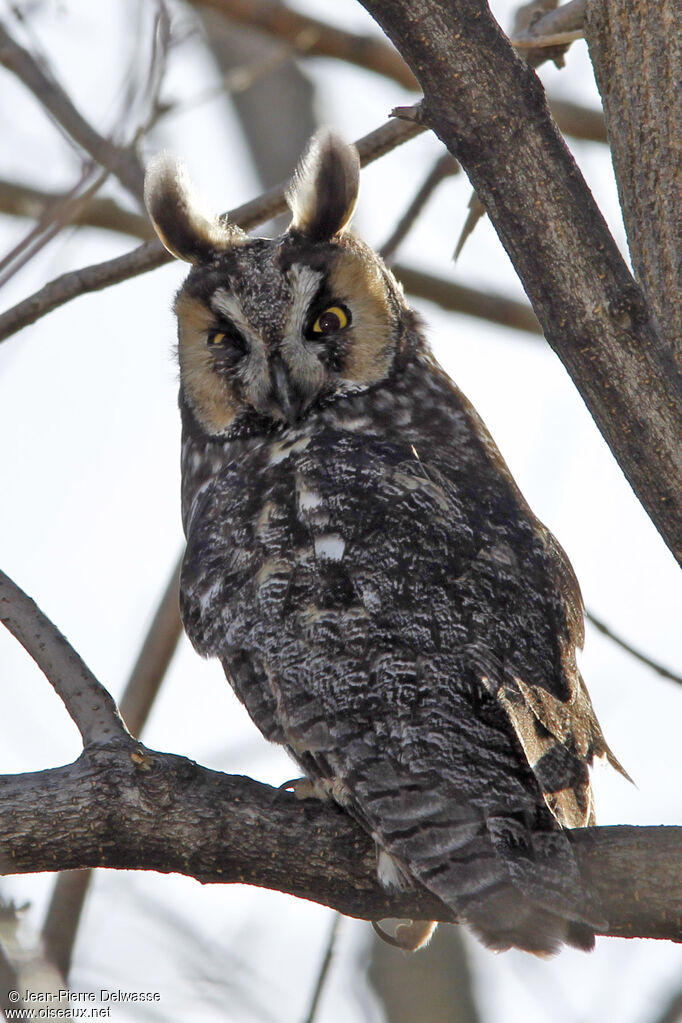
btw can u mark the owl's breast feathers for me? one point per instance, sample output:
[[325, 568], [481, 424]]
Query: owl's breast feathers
[[386, 606]]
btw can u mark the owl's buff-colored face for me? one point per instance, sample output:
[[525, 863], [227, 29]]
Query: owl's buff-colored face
[[277, 327], [263, 329]]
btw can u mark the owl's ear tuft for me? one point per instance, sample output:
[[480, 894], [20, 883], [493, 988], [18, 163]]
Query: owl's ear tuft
[[177, 215], [324, 189]]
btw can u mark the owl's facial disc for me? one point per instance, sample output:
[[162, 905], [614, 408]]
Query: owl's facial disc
[[276, 328]]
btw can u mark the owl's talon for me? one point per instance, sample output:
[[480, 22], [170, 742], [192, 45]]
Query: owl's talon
[[303, 788], [410, 935]]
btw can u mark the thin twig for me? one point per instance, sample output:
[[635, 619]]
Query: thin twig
[[660, 669], [104, 213], [87, 701], [444, 167], [52, 221], [121, 162], [152, 254], [324, 968]]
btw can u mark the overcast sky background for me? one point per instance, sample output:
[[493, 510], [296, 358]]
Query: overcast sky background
[[90, 527]]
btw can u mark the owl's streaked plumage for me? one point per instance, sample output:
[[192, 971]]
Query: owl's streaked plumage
[[362, 563]]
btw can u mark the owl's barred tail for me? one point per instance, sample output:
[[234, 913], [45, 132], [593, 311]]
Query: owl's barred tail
[[502, 917], [507, 919], [513, 887]]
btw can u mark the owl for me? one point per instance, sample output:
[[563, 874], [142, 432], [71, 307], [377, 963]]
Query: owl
[[363, 565]]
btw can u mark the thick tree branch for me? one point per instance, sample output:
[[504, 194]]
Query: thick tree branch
[[488, 107], [644, 119], [87, 701], [155, 811]]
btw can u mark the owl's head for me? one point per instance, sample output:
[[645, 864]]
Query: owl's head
[[278, 327]]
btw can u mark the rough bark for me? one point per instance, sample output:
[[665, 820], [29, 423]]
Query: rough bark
[[644, 123], [126, 807], [489, 109]]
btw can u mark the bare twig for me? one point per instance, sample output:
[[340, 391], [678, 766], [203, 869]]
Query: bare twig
[[152, 254], [121, 162], [106, 214], [578, 121], [476, 211], [52, 221], [650, 663], [671, 1011], [444, 167], [87, 701], [63, 917], [324, 968], [311, 37]]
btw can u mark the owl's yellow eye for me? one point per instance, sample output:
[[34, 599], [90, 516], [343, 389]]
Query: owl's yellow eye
[[228, 347], [331, 320]]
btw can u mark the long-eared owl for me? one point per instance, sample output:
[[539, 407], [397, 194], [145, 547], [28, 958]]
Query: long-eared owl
[[362, 563]]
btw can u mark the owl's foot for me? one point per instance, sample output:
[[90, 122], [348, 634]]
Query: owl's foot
[[409, 934]]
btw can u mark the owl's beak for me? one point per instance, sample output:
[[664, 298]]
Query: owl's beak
[[284, 395]]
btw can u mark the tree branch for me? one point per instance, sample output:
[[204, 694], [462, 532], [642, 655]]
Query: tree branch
[[87, 701], [155, 811], [484, 305], [489, 109], [644, 120], [551, 28]]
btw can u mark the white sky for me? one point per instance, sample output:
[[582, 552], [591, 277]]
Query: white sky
[[90, 527]]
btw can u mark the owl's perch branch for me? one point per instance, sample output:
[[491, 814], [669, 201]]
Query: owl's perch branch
[[123, 806], [162, 812], [489, 108]]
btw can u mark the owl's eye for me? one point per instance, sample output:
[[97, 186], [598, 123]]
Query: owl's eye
[[330, 321], [228, 345]]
